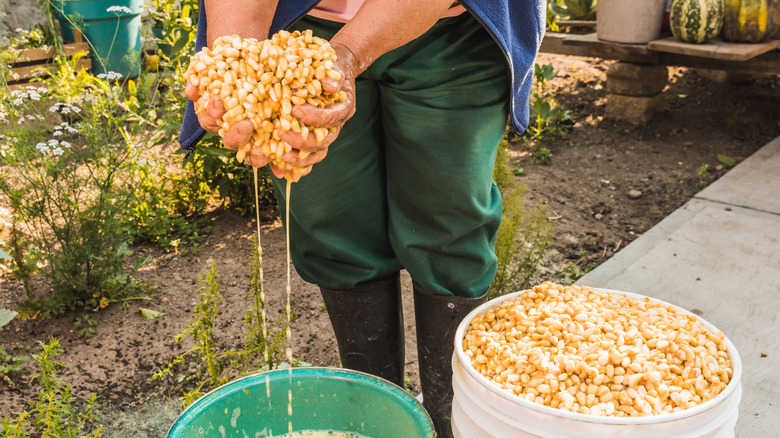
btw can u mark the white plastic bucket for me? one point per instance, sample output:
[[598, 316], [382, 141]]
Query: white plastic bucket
[[629, 21], [480, 409]]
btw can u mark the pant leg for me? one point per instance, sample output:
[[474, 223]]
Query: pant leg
[[338, 212], [445, 104]]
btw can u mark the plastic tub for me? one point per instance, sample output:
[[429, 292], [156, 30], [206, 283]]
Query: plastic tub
[[481, 409], [629, 21], [114, 35], [322, 399]]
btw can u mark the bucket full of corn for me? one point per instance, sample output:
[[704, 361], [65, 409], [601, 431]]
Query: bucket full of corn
[[555, 361], [305, 402]]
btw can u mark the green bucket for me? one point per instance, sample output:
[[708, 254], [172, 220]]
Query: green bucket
[[322, 399], [112, 27]]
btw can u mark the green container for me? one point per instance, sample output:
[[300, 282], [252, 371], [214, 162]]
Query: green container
[[322, 399], [114, 35]]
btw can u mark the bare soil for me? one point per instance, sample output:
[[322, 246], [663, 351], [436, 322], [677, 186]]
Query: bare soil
[[586, 187]]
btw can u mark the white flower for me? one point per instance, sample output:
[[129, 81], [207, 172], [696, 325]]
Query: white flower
[[121, 9], [64, 108], [111, 76], [42, 147], [58, 151], [64, 144], [53, 142], [57, 133], [17, 101]]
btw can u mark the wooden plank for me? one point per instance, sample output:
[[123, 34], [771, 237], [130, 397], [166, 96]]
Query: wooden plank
[[591, 40], [47, 52], [25, 73], [576, 23], [715, 49], [766, 63], [590, 46]]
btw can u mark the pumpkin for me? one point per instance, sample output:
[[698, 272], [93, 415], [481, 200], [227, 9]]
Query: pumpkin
[[750, 21], [696, 21]]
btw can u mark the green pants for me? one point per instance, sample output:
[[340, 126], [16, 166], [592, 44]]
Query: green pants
[[408, 184]]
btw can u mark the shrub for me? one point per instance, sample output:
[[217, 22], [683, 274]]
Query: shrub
[[524, 235]]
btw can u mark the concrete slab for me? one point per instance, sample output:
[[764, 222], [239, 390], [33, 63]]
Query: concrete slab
[[719, 256], [754, 183]]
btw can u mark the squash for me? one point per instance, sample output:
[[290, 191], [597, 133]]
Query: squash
[[750, 21], [696, 21]]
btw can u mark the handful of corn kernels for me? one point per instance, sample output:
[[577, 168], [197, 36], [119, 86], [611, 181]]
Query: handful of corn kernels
[[592, 352], [261, 81]]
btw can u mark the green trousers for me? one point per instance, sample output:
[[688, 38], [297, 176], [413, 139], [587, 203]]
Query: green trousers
[[408, 184]]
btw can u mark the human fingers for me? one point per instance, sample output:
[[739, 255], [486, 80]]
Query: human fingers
[[256, 158], [238, 135], [304, 159], [192, 92]]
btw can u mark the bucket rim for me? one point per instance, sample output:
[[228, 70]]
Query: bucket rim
[[332, 372], [724, 395]]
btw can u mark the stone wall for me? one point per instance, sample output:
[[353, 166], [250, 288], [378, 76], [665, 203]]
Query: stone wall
[[14, 14]]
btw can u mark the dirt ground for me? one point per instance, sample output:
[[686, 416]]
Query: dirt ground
[[586, 187]]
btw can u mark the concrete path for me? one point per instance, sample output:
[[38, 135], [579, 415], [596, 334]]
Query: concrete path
[[719, 257]]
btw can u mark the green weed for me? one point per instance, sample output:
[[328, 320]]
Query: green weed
[[546, 117], [734, 111], [9, 365], [542, 155], [54, 415], [524, 235], [262, 349], [570, 273], [85, 326], [701, 173]]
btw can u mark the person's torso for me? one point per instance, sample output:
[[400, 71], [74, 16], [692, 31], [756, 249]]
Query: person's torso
[[343, 10]]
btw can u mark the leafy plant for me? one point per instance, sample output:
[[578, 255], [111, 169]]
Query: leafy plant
[[701, 173], [570, 273], [9, 365], [85, 326], [734, 112], [263, 348], [524, 235], [231, 179], [542, 155], [54, 414], [574, 9], [24, 259], [38, 36], [552, 19], [176, 21], [546, 117], [67, 183]]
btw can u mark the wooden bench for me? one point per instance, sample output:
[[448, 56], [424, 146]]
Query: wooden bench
[[642, 67]]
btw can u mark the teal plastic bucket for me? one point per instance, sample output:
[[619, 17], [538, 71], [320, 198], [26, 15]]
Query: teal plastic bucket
[[112, 31], [322, 399]]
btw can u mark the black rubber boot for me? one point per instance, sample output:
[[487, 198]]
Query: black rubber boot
[[369, 327], [437, 318]]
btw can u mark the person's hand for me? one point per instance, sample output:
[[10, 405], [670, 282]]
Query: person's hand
[[309, 151], [239, 133]]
